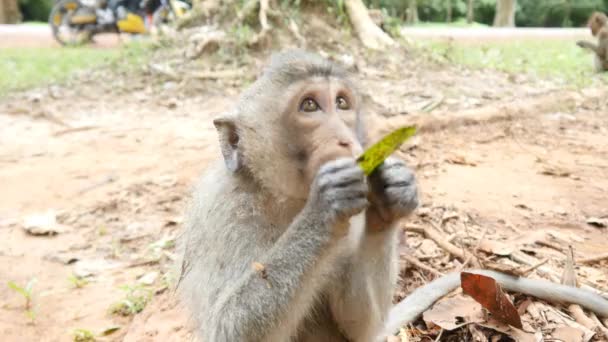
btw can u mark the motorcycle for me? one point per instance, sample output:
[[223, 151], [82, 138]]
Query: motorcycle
[[75, 22]]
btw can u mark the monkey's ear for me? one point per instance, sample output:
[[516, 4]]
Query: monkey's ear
[[229, 142]]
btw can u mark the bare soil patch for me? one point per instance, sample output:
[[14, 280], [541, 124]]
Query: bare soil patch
[[115, 161]]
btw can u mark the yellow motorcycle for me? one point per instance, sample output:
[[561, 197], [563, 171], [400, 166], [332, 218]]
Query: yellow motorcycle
[[75, 22]]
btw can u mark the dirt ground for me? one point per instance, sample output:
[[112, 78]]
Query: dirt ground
[[114, 160]]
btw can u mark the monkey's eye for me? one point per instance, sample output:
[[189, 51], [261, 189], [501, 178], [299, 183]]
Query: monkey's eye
[[342, 103], [309, 105]]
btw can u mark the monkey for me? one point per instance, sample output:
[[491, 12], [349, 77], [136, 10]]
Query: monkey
[[598, 24], [286, 239]]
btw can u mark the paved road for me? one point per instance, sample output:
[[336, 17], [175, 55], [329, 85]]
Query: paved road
[[40, 35], [492, 34]]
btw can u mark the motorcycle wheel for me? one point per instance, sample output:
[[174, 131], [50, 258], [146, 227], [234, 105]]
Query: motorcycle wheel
[[164, 15], [63, 32]]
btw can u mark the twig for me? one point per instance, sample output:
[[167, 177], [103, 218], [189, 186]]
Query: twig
[[526, 271], [475, 250], [579, 316], [143, 263], [435, 235], [415, 229], [293, 28], [421, 265], [439, 336], [429, 107], [593, 259], [74, 130], [600, 326], [107, 180]]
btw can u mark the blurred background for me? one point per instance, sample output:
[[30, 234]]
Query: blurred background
[[106, 114]]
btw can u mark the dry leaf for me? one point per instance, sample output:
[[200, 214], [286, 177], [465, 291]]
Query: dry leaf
[[460, 160], [489, 294], [496, 247], [568, 334], [555, 171], [454, 312], [598, 222]]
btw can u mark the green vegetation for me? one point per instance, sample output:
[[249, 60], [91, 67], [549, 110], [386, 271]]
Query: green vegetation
[[457, 23], [136, 299], [83, 335], [25, 291], [544, 58], [30, 67], [77, 282], [554, 13]]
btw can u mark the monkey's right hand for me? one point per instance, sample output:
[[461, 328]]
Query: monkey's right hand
[[339, 190]]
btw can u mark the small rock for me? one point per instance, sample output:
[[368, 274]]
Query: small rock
[[148, 278], [43, 224]]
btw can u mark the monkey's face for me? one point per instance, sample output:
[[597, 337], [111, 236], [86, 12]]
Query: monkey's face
[[596, 22], [320, 119]]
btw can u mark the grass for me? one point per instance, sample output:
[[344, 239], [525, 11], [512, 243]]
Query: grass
[[136, 299], [26, 292], [458, 23], [547, 58], [30, 67]]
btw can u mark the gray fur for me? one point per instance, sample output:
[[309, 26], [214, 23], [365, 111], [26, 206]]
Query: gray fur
[[326, 274]]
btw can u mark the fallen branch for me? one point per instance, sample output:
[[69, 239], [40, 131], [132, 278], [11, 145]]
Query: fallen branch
[[593, 259], [412, 260], [435, 235]]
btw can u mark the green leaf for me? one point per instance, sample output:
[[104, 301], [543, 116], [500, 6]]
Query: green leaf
[[110, 330], [30, 284], [18, 289], [377, 153]]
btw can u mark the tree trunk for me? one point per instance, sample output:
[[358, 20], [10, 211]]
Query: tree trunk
[[505, 13], [470, 15], [412, 12], [449, 11], [369, 33], [9, 12]]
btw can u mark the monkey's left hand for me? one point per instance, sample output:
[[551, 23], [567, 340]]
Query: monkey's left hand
[[393, 193]]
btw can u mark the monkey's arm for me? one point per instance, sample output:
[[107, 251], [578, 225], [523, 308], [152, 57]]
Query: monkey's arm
[[361, 307], [270, 302], [587, 45], [422, 298], [254, 306]]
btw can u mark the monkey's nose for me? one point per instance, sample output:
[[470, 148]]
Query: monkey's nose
[[344, 143]]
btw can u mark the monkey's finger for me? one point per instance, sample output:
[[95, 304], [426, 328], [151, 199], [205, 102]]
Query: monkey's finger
[[336, 165], [403, 199], [350, 206], [342, 178], [355, 190]]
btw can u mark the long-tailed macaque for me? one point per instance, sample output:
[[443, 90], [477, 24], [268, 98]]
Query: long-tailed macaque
[[598, 24], [287, 239]]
